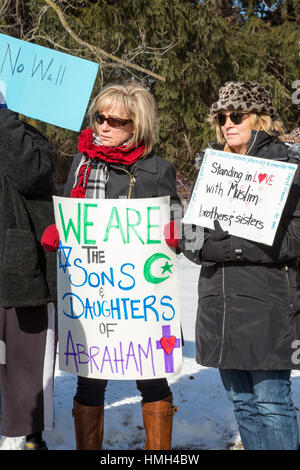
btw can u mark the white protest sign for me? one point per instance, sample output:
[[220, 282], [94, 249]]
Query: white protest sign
[[245, 194], [118, 306]]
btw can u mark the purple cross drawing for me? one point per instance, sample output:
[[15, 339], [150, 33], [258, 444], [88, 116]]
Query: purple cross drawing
[[169, 362]]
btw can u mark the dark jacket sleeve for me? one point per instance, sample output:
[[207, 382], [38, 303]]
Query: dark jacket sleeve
[[285, 248], [27, 158]]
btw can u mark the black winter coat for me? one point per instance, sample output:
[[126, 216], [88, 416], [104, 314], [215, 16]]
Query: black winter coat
[[27, 165], [151, 176], [249, 306]]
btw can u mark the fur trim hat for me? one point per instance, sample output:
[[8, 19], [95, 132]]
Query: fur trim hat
[[293, 137], [248, 97]]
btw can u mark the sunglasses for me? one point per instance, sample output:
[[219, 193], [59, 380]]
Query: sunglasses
[[112, 122], [235, 117]]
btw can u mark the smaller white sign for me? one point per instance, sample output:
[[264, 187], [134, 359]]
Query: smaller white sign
[[245, 194]]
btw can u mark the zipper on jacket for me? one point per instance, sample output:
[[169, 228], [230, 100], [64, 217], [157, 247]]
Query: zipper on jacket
[[131, 184], [132, 179], [224, 314], [286, 268]]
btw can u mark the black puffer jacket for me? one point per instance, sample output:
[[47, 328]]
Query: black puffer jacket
[[249, 306], [27, 165]]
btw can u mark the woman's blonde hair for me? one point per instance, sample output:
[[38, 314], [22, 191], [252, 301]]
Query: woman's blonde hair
[[258, 122], [139, 105]]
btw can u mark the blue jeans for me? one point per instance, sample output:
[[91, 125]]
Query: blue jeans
[[263, 408]]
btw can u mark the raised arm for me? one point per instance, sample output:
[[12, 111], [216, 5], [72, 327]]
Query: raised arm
[[27, 159]]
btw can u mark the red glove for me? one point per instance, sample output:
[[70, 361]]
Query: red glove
[[50, 238], [171, 234]]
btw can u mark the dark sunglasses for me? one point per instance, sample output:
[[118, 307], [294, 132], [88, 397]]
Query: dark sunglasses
[[112, 122], [235, 117]]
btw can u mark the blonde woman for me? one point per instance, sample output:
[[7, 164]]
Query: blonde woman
[[116, 159], [249, 294]]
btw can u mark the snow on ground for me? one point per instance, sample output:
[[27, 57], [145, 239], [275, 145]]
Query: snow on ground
[[204, 419]]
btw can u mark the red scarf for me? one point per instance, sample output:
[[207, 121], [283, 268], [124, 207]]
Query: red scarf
[[118, 155], [122, 154]]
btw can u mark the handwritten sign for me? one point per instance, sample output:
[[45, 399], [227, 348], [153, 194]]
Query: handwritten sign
[[245, 194], [45, 84], [117, 289]]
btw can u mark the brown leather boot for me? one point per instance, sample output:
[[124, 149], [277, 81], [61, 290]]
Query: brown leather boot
[[158, 418], [88, 421]]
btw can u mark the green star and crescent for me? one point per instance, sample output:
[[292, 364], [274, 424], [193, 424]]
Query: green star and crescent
[[166, 268]]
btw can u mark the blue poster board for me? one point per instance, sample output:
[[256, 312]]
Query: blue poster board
[[45, 84]]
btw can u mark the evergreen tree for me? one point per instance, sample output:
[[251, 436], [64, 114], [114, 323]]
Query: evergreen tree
[[195, 45]]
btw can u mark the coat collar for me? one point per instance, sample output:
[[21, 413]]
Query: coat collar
[[148, 163], [259, 146]]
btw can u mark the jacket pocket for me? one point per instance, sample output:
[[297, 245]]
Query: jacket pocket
[[278, 285], [20, 255]]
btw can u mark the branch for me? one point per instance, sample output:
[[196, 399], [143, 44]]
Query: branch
[[3, 7], [96, 50]]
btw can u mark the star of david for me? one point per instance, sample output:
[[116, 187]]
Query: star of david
[[63, 256]]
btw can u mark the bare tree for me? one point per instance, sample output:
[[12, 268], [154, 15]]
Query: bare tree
[[16, 19]]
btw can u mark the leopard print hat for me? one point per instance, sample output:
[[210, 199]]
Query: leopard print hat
[[246, 97]]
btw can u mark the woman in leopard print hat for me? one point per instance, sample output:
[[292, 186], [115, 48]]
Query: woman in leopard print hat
[[248, 319]]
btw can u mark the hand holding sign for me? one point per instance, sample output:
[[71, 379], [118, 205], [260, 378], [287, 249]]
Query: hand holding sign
[[50, 238], [218, 246], [2, 101], [2, 95], [219, 233], [171, 234]]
